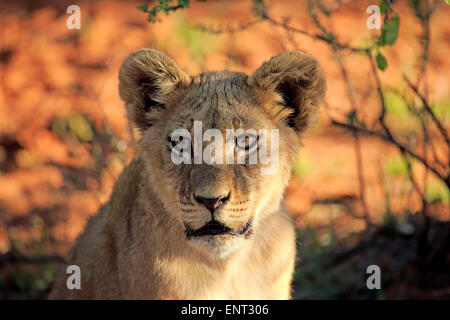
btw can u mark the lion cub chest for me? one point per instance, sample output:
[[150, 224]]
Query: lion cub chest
[[193, 281]]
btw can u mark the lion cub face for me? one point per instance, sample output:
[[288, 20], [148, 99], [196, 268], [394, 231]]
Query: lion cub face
[[218, 147]]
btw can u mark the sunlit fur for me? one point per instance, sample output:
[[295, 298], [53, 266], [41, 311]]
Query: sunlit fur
[[136, 246]]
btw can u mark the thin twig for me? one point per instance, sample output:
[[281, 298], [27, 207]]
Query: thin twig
[[436, 121], [228, 29], [357, 145], [393, 141]]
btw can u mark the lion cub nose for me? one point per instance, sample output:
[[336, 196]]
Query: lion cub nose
[[212, 203]]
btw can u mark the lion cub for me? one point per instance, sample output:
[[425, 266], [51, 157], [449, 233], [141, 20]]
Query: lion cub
[[182, 222]]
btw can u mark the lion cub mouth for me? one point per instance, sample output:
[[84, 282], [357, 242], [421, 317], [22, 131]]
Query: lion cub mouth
[[214, 228]]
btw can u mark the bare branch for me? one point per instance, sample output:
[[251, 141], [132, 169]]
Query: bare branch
[[427, 107], [228, 29], [393, 141]]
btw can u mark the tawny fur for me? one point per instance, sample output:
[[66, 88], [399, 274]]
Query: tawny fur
[[136, 246]]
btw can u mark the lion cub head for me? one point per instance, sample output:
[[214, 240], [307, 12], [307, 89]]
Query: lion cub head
[[218, 147]]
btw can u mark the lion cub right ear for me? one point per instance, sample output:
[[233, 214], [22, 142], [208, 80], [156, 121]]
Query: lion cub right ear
[[300, 83], [146, 79]]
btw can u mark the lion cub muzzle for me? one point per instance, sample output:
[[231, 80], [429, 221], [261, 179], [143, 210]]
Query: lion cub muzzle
[[214, 227]]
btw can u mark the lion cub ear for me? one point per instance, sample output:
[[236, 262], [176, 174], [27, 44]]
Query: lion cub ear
[[146, 79], [299, 83]]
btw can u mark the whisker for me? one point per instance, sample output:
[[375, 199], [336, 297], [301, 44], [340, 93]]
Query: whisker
[[235, 210]]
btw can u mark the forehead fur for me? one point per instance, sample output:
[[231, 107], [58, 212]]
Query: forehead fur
[[215, 90], [218, 99]]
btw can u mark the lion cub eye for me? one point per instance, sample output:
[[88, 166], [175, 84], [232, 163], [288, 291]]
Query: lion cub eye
[[247, 142]]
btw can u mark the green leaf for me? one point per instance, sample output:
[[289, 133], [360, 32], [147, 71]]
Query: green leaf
[[80, 126], [143, 8], [381, 42], [381, 61], [383, 6], [152, 14], [390, 31], [351, 116], [183, 3]]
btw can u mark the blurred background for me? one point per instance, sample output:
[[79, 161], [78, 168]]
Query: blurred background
[[370, 186]]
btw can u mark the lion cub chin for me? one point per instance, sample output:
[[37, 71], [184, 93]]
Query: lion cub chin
[[219, 247], [199, 212]]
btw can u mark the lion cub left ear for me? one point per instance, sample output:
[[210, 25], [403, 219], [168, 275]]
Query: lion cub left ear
[[299, 84], [146, 79]]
